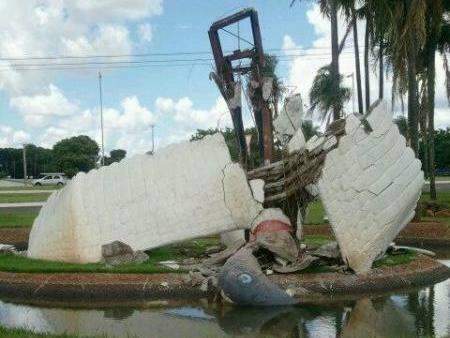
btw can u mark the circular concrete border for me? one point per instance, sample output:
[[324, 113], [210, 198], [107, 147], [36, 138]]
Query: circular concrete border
[[120, 287]]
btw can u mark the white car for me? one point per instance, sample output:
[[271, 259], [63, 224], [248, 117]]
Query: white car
[[54, 179]]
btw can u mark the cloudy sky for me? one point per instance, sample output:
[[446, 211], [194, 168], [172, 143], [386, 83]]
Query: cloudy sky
[[43, 104]]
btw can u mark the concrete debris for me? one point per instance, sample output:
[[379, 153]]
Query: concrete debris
[[297, 142], [301, 264], [232, 238], [118, 253], [174, 265], [329, 250], [267, 88], [330, 142], [242, 280], [184, 191], [257, 187], [274, 232], [370, 186], [413, 249], [315, 144], [7, 249], [312, 189], [299, 231], [221, 257], [289, 119]]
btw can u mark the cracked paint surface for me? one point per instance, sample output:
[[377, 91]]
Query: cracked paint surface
[[185, 191], [370, 186]]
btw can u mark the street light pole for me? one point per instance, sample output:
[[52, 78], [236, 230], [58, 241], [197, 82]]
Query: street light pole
[[24, 154], [153, 139], [101, 115]]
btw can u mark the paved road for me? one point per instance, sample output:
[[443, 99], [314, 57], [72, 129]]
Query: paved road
[[31, 191], [27, 207], [440, 186], [10, 184]]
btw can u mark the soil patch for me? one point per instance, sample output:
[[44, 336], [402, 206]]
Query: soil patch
[[15, 236]]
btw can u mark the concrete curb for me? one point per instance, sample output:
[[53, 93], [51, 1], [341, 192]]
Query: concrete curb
[[120, 287]]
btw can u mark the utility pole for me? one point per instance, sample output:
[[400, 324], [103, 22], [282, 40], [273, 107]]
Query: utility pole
[[101, 115], [24, 153], [153, 138]]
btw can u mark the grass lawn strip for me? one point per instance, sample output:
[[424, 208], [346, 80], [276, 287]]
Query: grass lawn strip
[[19, 219], [22, 198]]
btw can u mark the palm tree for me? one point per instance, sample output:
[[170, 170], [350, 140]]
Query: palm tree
[[330, 9], [309, 129], [349, 7], [323, 97], [437, 38], [335, 76]]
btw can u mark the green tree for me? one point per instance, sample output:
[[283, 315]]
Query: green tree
[[309, 129], [79, 153], [254, 157], [323, 97], [115, 155]]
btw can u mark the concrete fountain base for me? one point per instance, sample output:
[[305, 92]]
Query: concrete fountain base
[[308, 288]]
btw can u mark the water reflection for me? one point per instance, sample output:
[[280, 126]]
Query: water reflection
[[424, 313]]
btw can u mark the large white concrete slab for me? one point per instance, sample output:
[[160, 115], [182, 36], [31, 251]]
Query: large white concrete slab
[[184, 191], [370, 186]]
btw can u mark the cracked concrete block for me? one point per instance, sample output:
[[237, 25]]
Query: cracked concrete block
[[182, 192], [369, 203], [257, 187], [297, 142], [315, 144], [330, 142], [232, 238], [312, 189], [289, 120], [267, 87]]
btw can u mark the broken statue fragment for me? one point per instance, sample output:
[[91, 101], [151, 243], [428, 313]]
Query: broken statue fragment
[[370, 185], [184, 191]]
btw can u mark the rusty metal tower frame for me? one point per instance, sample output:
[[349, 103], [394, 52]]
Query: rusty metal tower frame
[[228, 86]]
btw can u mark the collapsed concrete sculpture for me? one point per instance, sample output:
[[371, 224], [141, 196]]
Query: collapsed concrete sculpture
[[367, 178], [184, 191], [370, 186]]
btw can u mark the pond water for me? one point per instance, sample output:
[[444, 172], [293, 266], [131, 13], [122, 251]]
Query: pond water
[[423, 313]]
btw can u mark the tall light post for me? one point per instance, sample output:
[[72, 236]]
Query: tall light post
[[101, 115], [24, 155], [153, 138]]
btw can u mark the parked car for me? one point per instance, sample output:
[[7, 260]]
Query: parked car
[[51, 179]]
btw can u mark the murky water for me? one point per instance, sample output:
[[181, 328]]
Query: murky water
[[424, 313]]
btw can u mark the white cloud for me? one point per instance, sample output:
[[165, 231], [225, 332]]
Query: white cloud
[[107, 39], [145, 32], [303, 69], [56, 27], [38, 109], [10, 137], [184, 113], [128, 127]]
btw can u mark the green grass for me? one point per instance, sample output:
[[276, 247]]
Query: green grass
[[21, 333], [315, 213], [18, 219], [442, 197], [194, 248], [395, 259], [315, 240], [22, 198]]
